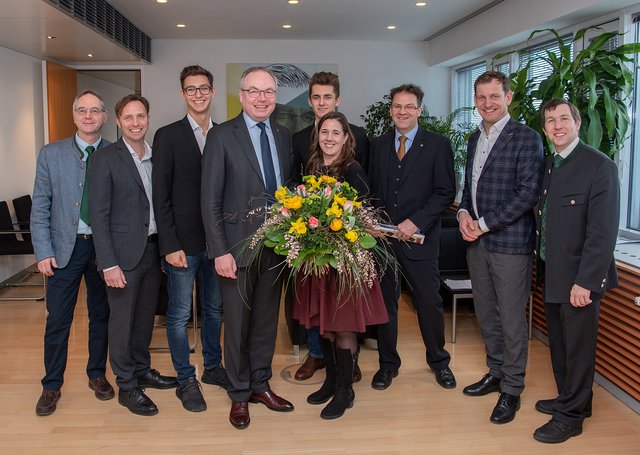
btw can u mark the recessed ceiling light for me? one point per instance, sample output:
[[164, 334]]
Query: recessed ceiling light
[[286, 26], [391, 27], [293, 2], [90, 55], [162, 1], [51, 37], [181, 25], [421, 3]]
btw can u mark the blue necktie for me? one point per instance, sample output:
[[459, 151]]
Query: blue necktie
[[267, 162]]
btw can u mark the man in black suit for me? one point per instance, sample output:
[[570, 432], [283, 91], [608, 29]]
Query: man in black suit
[[579, 209], [412, 178], [244, 161], [126, 242], [177, 150], [324, 96]]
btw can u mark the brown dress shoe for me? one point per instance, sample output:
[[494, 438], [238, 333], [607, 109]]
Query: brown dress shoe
[[272, 401], [102, 388], [47, 402], [309, 367], [239, 415]]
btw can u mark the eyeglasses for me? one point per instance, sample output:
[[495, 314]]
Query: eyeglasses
[[255, 93], [91, 111], [191, 90], [406, 107]]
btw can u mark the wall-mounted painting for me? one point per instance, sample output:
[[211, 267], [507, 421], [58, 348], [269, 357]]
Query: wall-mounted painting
[[292, 109]]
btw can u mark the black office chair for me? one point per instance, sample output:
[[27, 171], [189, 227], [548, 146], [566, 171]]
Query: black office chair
[[22, 209]]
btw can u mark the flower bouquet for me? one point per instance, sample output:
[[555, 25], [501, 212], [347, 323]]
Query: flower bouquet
[[319, 225]]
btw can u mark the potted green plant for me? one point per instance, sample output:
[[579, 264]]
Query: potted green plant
[[598, 81]]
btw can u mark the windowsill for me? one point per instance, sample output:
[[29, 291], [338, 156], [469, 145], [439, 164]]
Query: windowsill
[[628, 252]]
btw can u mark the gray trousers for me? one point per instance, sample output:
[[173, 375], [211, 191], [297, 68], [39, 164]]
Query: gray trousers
[[501, 286]]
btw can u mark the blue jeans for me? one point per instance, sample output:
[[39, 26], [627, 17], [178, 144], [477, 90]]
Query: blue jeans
[[180, 288], [313, 342]]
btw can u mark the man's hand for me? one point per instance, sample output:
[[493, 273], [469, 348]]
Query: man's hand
[[406, 229], [579, 296], [114, 278], [469, 227], [374, 231], [226, 266], [177, 259], [47, 265]]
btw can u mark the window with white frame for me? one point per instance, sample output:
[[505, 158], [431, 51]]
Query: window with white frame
[[633, 213], [465, 77]]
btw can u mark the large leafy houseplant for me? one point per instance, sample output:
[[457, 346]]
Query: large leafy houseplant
[[377, 121], [598, 81]]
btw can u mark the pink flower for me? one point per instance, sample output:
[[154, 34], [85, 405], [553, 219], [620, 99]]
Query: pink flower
[[327, 191], [302, 190], [348, 206], [313, 222], [284, 212]]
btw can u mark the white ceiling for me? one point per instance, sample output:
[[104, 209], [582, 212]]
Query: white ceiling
[[25, 24], [310, 19]]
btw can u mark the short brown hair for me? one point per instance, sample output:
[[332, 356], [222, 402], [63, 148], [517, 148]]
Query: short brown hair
[[408, 88], [490, 76], [128, 99], [195, 70], [325, 78], [552, 104]]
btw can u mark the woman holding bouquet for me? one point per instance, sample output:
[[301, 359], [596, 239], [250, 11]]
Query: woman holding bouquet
[[339, 305]]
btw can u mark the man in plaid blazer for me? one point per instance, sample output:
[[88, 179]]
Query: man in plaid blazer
[[503, 173]]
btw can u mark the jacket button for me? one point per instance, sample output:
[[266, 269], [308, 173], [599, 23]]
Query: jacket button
[[539, 212], [573, 202], [537, 232], [545, 192]]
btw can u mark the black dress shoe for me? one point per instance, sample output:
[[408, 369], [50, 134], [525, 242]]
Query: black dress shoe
[[101, 388], [445, 378], [505, 409], [555, 431], [382, 379], [154, 380], [190, 394], [546, 407], [216, 376], [137, 402], [484, 386], [47, 402]]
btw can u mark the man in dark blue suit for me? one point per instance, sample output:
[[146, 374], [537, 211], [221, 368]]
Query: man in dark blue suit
[[503, 173], [177, 156], [411, 174]]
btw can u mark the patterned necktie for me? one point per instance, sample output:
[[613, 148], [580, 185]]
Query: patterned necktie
[[557, 162], [267, 162], [401, 148], [84, 206]]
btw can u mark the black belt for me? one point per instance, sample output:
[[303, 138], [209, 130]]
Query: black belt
[[153, 238], [85, 236]]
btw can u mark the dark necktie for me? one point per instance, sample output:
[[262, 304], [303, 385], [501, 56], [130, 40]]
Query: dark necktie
[[401, 148], [267, 162], [557, 162], [84, 205]]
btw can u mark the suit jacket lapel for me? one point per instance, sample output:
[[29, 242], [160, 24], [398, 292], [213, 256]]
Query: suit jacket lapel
[[242, 135], [125, 155], [413, 154], [505, 137], [190, 137], [283, 158]]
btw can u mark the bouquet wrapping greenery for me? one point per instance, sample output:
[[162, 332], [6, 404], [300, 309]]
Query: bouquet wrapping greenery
[[322, 225]]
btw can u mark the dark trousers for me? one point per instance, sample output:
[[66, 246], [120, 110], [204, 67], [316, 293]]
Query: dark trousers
[[424, 278], [62, 295], [250, 305], [572, 341], [133, 310]]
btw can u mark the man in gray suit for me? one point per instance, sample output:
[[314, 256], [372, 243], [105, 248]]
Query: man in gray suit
[[63, 246], [127, 253], [578, 216], [244, 161]]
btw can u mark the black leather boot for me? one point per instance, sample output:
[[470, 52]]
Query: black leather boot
[[344, 395], [328, 388]]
